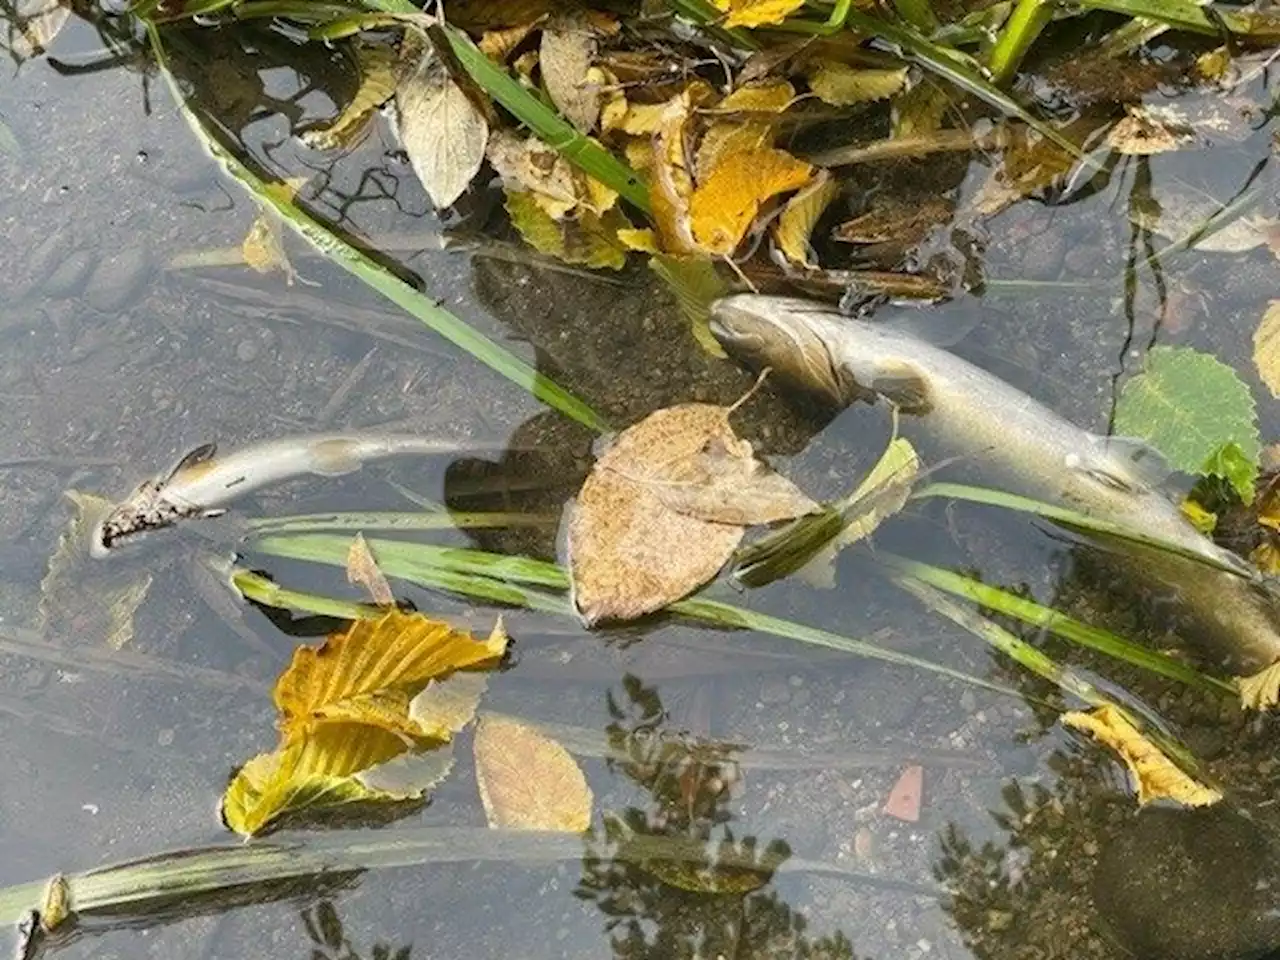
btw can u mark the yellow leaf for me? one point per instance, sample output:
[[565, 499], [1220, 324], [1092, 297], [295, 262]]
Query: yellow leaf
[[1155, 775], [637, 119], [55, 906], [757, 13], [1266, 557], [802, 212], [696, 285], [643, 240], [362, 571], [1266, 348], [528, 781], [367, 675], [842, 85], [589, 240], [449, 703], [725, 204], [498, 44], [727, 137], [1260, 691], [671, 171], [1202, 519], [273, 785], [376, 64], [764, 96]]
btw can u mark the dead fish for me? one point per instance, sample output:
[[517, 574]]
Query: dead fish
[[201, 484], [970, 411]]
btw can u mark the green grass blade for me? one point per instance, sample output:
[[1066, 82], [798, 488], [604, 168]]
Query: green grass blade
[[1178, 14], [1080, 521], [253, 586], [388, 520], [1068, 628], [375, 275], [1029, 18]]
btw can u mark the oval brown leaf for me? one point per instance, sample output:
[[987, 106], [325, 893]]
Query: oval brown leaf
[[528, 781]]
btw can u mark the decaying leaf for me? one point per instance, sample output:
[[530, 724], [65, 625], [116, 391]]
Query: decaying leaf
[[672, 172], [1147, 130], [560, 189], [369, 674], [906, 796], [499, 43], [491, 15], [528, 781], [919, 111], [696, 285], [1260, 691], [802, 212], [570, 42], [589, 239], [441, 130], [842, 85], [629, 552], [83, 600], [724, 205], [1266, 348], [1031, 163], [33, 25], [895, 221], [363, 571], [1155, 775], [377, 66], [757, 13]]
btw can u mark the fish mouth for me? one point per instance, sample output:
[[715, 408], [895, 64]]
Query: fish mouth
[[775, 333]]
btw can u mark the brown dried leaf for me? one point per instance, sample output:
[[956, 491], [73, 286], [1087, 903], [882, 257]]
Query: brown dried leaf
[[1155, 775], [498, 44], [528, 781], [441, 130], [496, 14], [363, 571], [570, 43], [1148, 130], [895, 220]]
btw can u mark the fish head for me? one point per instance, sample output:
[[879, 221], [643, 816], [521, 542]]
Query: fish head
[[791, 337], [146, 508]]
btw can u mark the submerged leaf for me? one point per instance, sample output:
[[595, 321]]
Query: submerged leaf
[[696, 285], [1155, 775], [801, 214], [33, 25], [1266, 348], [377, 85], [590, 240], [1147, 130], [441, 130], [570, 42], [527, 780], [1189, 406], [842, 85], [724, 205], [1260, 691], [629, 553]]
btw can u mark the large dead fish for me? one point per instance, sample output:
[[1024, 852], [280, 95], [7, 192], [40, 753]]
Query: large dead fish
[[202, 484], [969, 411]]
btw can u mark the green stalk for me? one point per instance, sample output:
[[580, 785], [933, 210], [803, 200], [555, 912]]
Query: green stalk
[[255, 587], [473, 572], [1029, 18], [1178, 14], [374, 274], [1068, 628], [385, 520]]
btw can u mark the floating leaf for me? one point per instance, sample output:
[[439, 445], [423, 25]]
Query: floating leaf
[[527, 780], [33, 25], [629, 553], [369, 674], [1260, 691], [362, 570], [725, 204], [842, 85], [1180, 214], [569, 46], [451, 703], [55, 905], [1189, 406], [1154, 774], [757, 13], [1266, 348], [802, 212], [441, 130], [377, 66], [696, 285]]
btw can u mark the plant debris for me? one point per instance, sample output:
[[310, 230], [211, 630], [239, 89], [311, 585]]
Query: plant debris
[[528, 781]]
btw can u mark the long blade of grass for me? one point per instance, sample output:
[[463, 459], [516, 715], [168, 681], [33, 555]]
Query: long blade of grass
[[139, 889], [525, 582], [374, 274], [1178, 14], [390, 520], [1080, 521], [1068, 628]]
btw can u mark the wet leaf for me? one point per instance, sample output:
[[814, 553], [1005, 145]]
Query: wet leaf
[[377, 65], [559, 188], [744, 122], [441, 130], [368, 675], [696, 285], [801, 214], [55, 905], [1189, 406], [919, 111], [1155, 775], [671, 172], [842, 85], [725, 204], [33, 25], [589, 240], [629, 553], [764, 96], [1232, 464], [491, 14], [451, 703], [362, 571], [1266, 348], [1180, 214], [570, 43], [1260, 691], [1030, 164], [527, 780], [500, 43], [1148, 130], [898, 221], [756, 13]]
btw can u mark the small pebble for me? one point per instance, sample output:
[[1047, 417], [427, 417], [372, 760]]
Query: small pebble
[[246, 351]]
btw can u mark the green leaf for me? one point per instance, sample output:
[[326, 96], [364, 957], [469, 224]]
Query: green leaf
[[1237, 468], [1190, 406]]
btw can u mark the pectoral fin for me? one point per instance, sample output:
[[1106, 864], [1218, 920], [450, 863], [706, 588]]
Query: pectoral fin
[[199, 454]]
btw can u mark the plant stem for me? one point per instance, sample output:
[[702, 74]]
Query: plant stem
[[1029, 18]]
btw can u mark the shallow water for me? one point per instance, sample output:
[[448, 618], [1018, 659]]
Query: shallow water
[[115, 362]]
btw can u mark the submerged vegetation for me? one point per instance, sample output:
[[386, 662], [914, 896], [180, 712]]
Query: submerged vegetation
[[726, 147]]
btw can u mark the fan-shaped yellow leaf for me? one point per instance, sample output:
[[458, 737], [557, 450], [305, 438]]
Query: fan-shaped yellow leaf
[[725, 204], [1155, 775], [795, 226], [842, 85], [368, 674], [527, 781], [757, 13], [764, 96]]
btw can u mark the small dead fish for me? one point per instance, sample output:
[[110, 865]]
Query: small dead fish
[[1043, 455], [201, 485]]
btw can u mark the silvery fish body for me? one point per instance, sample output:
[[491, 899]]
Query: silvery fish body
[[1037, 452], [202, 484]]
